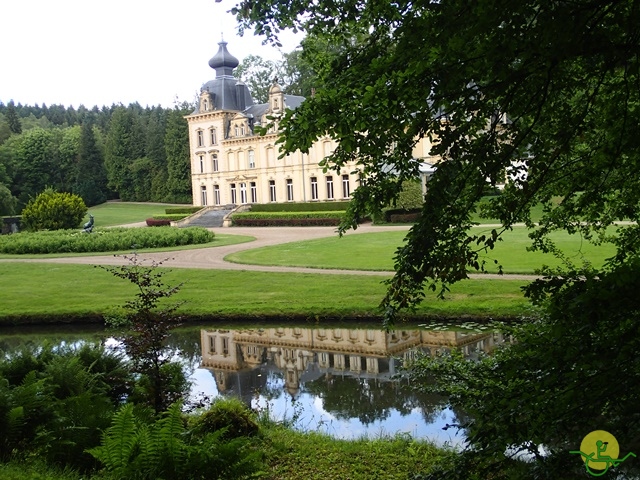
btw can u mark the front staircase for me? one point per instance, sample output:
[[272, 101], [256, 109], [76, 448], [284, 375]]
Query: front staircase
[[208, 217]]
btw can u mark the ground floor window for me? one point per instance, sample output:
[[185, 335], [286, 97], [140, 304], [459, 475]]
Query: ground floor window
[[243, 193], [233, 193], [216, 194], [330, 188], [203, 195], [254, 192], [314, 188], [345, 186], [272, 190], [290, 190]]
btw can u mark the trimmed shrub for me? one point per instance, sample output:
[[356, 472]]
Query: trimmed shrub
[[288, 219], [108, 240], [182, 210], [300, 207], [171, 217], [152, 222], [51, 210]]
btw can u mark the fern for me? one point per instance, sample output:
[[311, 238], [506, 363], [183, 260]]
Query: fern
[[149, 452], [118, 443], [170, 429]]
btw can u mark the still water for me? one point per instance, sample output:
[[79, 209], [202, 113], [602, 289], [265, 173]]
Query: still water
[[341, 381]]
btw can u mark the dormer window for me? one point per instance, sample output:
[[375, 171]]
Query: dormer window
[[275, 104], [206, 105], [237, 131], [242, 130]]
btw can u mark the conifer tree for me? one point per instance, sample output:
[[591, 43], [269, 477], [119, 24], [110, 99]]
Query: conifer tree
[[12, 118], [91, 179]]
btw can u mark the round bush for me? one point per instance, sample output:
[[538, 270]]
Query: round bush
[[229, 413], [52, 210]]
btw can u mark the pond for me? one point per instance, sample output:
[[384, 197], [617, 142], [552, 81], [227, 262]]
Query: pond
[[341, 381]]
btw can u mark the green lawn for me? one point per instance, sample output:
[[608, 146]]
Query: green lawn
[[41, 289], [120, 213], [375, 251]]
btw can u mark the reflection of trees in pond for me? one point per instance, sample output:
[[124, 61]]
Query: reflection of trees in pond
[[274, 386], [187, 344], [370, 399]]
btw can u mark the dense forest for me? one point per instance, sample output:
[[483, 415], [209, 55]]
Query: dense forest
[[131, 153]]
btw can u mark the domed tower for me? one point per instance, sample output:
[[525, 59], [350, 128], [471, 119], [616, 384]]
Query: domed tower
[[224, 92]]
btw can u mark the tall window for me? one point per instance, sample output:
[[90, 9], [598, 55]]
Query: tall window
[[216, 194], [345, 186], [243, 193], [201, 163], [213, 136], [329, 187], [314, 188], [200, 138], [252, 159], [214, 162], [272, 190], [290, 190], [254, 193], [203, 195], [233, 193], [237, 130]]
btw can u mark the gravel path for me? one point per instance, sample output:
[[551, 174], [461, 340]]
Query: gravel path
[[213, 257]]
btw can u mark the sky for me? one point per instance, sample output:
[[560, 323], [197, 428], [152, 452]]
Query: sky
[[74, 52]]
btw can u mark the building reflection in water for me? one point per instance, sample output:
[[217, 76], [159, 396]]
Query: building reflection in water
[[336, 378]]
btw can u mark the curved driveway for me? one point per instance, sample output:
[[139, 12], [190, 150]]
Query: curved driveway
[[213, 257]]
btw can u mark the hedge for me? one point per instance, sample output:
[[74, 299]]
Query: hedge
[[172, 217], [103, 240], [181, 210], [289, 219], [156, 222], [300, 207]]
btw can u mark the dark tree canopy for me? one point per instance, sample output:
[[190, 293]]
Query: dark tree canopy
[[546, 92]]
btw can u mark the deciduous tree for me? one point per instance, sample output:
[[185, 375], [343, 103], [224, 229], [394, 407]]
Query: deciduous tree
[[544, 91]]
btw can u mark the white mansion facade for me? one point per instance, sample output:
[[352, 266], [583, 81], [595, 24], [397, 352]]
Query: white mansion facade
[[231, 164]]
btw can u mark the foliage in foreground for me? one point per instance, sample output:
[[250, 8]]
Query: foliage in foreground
[[52, 210], [54, 402], [544, 92], [143, 331], [134, 447], [569, 373], [107, 240]]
